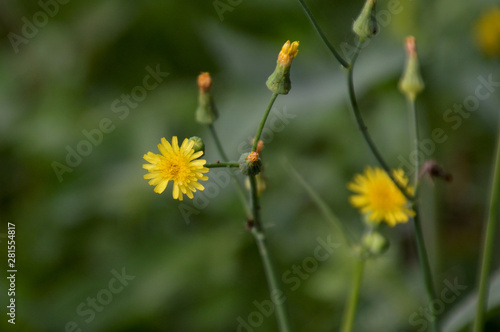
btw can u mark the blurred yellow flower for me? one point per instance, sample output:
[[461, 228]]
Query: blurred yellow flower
[[488, 32], [379, 198], [180, 165]]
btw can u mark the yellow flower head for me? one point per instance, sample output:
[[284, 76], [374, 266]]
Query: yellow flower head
[[379, 198], [488, 32], [180, 165], [287, 53]]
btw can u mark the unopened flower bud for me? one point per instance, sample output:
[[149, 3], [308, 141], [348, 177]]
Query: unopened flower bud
[[250, 163], [206, 113], [411, 83], [260, 146], [374, 243], [198, 144], [279, 81], [365, 26]]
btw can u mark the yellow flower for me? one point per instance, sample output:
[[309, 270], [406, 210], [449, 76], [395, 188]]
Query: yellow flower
[[288, 53], [488, 32], [180, 165], [379, 198]]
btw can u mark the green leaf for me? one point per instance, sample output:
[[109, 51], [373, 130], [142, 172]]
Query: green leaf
[[464, 313]]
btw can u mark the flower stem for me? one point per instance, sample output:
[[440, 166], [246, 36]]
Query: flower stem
[[275, 291], [221, 165], [419, 236], [424, 263], [350, 312], [362, 125], [263, 121], [489, 244], [346, 237], [322, 35], [414, 138], [218, 143], [239, 187]]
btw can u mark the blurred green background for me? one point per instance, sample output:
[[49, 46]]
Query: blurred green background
[[61, 77]]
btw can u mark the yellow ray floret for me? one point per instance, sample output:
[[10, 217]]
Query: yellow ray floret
[[288, 53], [178, 164], [378, 198]]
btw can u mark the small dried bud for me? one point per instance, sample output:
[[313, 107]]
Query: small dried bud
[[433, 170], [260, 146]]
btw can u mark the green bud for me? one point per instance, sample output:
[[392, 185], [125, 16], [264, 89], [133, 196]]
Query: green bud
[[206, 113], [250, 163], [279, 81], [374, 243], [411, 83], [365, 26], [198, 144]]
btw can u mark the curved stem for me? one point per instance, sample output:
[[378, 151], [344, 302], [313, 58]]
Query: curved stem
[[362, 126], [489, 244], [322, 35], [275, 291], [221, 165], [263, 121], [348, 320], [239, 187]]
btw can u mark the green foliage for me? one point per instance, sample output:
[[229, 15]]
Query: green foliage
[[202, 272]]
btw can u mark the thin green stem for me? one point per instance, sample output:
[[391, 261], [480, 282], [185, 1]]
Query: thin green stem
[[222, 165], [263, 121], [350, 312], [275, 291], [419, 236], [239, 188], [489, 244], [218, 143], [424, 264], [322, 35], [362, 125], [414, 139], [323, 206]]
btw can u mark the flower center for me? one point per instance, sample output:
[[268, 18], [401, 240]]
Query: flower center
[[384, 197], [176, 168]]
